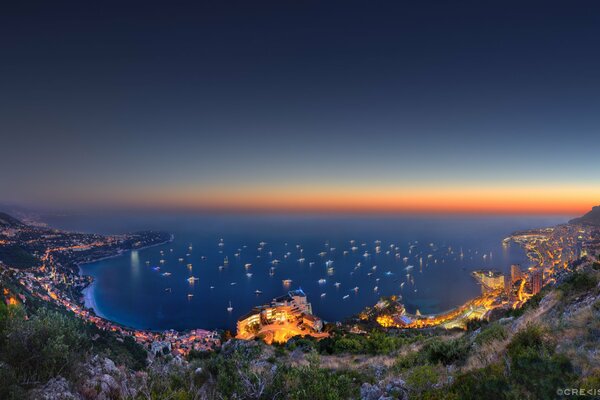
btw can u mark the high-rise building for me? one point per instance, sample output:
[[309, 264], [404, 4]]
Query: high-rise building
[[515, 273], [537, 280], [508, 284]]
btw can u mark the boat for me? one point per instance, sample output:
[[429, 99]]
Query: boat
[[249, 274], [287, 282], [301, 260], [230, 308], [376, 288], [147, 262], [162, 261], [233, 284], [226, 261], [189, 296], [180, 259], [189, 266], [166, 274], [168, 290], [322, 281], [247, 265], [323, 294], [310, 264], [156, 268], [328, 263], [257, 292], [337, 284], [388, 273], [192, 279], [355, 289], [345, 297], [212, 287]]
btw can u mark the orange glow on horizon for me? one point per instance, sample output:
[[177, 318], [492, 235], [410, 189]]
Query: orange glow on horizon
[[572, 199]]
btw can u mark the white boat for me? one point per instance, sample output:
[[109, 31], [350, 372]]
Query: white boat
[[287, 282], [322, 281], [376, 288], [190, 296], [337, 284], [355, 289], [323, 294], [345, 297], [257, 292], [180, 259], [328, 263], [233, 284], [230, 308], [166, 274], [192, 279], [247, 265], [249, 274]]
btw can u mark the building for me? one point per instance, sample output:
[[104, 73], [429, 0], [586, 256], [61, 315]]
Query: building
[[537, 280], [291, 307], [508, 286], [490, 280], [314, 323], [515, 273]]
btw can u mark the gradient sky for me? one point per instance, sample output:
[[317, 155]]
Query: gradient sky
[[302, 105]]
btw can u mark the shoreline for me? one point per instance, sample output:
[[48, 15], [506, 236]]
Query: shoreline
[[88, 292]]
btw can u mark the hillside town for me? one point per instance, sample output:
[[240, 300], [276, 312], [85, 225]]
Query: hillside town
[[45, 262], [552, 252]]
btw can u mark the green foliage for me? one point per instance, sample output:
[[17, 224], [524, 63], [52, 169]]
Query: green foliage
[[446, 352], [534, 371], [486, 383], [17, 257], [422, 378], [42, 347], [491, 333], [376, 342], [312, 382], [578, 283]]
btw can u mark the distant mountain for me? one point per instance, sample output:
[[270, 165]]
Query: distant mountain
[[591, 218], [7, 221]]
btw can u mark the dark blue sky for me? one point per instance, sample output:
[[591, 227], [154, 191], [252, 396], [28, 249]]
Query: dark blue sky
[[115, 98]]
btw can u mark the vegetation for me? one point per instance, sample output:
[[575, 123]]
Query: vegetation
[[17, 257]]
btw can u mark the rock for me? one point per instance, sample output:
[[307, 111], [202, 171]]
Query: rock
[[370, 392], [55, 389]]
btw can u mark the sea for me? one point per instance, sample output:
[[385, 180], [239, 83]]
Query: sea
[[343, 263]]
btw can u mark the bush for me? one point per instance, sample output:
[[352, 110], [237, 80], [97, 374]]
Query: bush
[[446, 352], [490, 334], [577, 283]]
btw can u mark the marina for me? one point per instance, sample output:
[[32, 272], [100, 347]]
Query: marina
[[261, 263]]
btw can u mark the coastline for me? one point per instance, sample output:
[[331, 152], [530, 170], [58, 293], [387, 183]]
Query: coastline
[[88, 292]]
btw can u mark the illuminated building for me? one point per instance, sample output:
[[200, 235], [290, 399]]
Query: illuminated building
[[537, 280], [515, 273]]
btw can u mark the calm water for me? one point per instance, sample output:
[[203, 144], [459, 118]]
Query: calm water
[[130, 291]]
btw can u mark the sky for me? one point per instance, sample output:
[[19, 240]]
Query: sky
[[428, 106]]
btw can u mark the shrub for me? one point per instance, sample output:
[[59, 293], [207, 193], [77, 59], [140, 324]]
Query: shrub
[[490, 334], [446, 352]]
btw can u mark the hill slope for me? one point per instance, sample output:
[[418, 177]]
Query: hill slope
[[591, 218], [7, 221]]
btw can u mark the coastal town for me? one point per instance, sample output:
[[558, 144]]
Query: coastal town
[[553, 253], [45, 263], [53, 276]]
